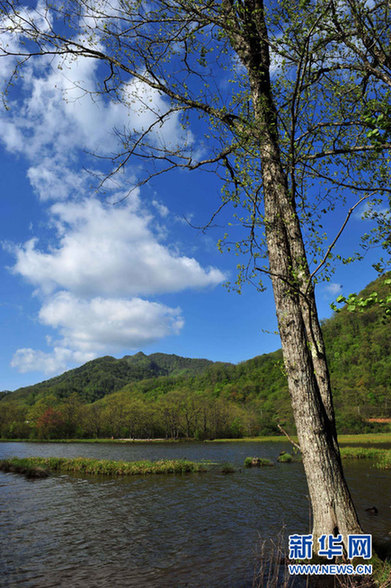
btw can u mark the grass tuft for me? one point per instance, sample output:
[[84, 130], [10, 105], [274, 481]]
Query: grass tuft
[[251, 462], [102, 467], [285, 457], [227, 468], [382, 457]]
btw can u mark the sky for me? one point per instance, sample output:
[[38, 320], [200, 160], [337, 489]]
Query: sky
[[86, 273]]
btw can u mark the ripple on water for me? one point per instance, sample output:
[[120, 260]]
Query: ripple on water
[[157, 531]]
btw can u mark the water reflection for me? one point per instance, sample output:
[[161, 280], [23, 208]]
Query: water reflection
[[157, 531]]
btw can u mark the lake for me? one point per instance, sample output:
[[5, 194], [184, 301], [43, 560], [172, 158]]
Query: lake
[[195, 530]]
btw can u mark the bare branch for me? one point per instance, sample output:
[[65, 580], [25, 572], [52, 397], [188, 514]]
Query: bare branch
[[289, 438], [347, 150], [333, 243]]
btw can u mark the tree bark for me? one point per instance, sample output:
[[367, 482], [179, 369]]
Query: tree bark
[[333, 511], [332, 508]]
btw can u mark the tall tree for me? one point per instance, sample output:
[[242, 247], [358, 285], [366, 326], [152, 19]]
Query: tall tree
[[296, 130]]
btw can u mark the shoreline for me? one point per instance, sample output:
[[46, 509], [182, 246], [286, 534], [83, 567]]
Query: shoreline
[[359, 438]]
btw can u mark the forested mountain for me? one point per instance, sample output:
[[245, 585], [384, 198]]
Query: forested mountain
[[359, 353], [170, 396], [105, 375]]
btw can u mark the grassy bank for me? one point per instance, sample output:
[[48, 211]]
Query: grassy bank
[[260, 439], [106, 440], [103, 467], [382, 457], [276, 438], [365, 439], [359, 439]]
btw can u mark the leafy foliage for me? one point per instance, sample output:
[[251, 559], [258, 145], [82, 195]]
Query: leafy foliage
[[358, 347]]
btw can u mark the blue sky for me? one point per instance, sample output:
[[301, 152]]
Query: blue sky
[[85, 274]]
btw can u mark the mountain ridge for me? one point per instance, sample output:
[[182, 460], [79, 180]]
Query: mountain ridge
[[88, 381]]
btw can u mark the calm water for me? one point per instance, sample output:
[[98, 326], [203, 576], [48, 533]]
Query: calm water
[[197, 530]]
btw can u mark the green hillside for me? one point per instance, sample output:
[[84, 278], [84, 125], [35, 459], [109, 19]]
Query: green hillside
[[105, 375], [359, 353], [170, 396]]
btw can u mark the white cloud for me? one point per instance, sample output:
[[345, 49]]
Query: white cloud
[[90, 328], [104, 259], [93, 326], [161, 208], [51, 180], [91, 280], [10, 30], [108, 251], [58, 115], [332, 289], [32, 360], [372, 211], [92, 14]]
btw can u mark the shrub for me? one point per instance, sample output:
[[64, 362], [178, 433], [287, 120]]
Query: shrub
[[227, 468], [250, 462], [285, 458]]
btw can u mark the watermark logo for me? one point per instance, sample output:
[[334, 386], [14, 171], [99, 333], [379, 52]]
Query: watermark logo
[[330, 546], [300, 546], [360, 546]]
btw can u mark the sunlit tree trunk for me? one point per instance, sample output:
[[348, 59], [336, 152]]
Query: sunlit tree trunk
[[332, 507], [333, 511]]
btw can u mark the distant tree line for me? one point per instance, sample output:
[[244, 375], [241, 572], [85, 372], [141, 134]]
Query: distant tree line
[[175, 415]]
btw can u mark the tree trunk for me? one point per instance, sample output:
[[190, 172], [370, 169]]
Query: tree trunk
[[332, 507], [333, 511]]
